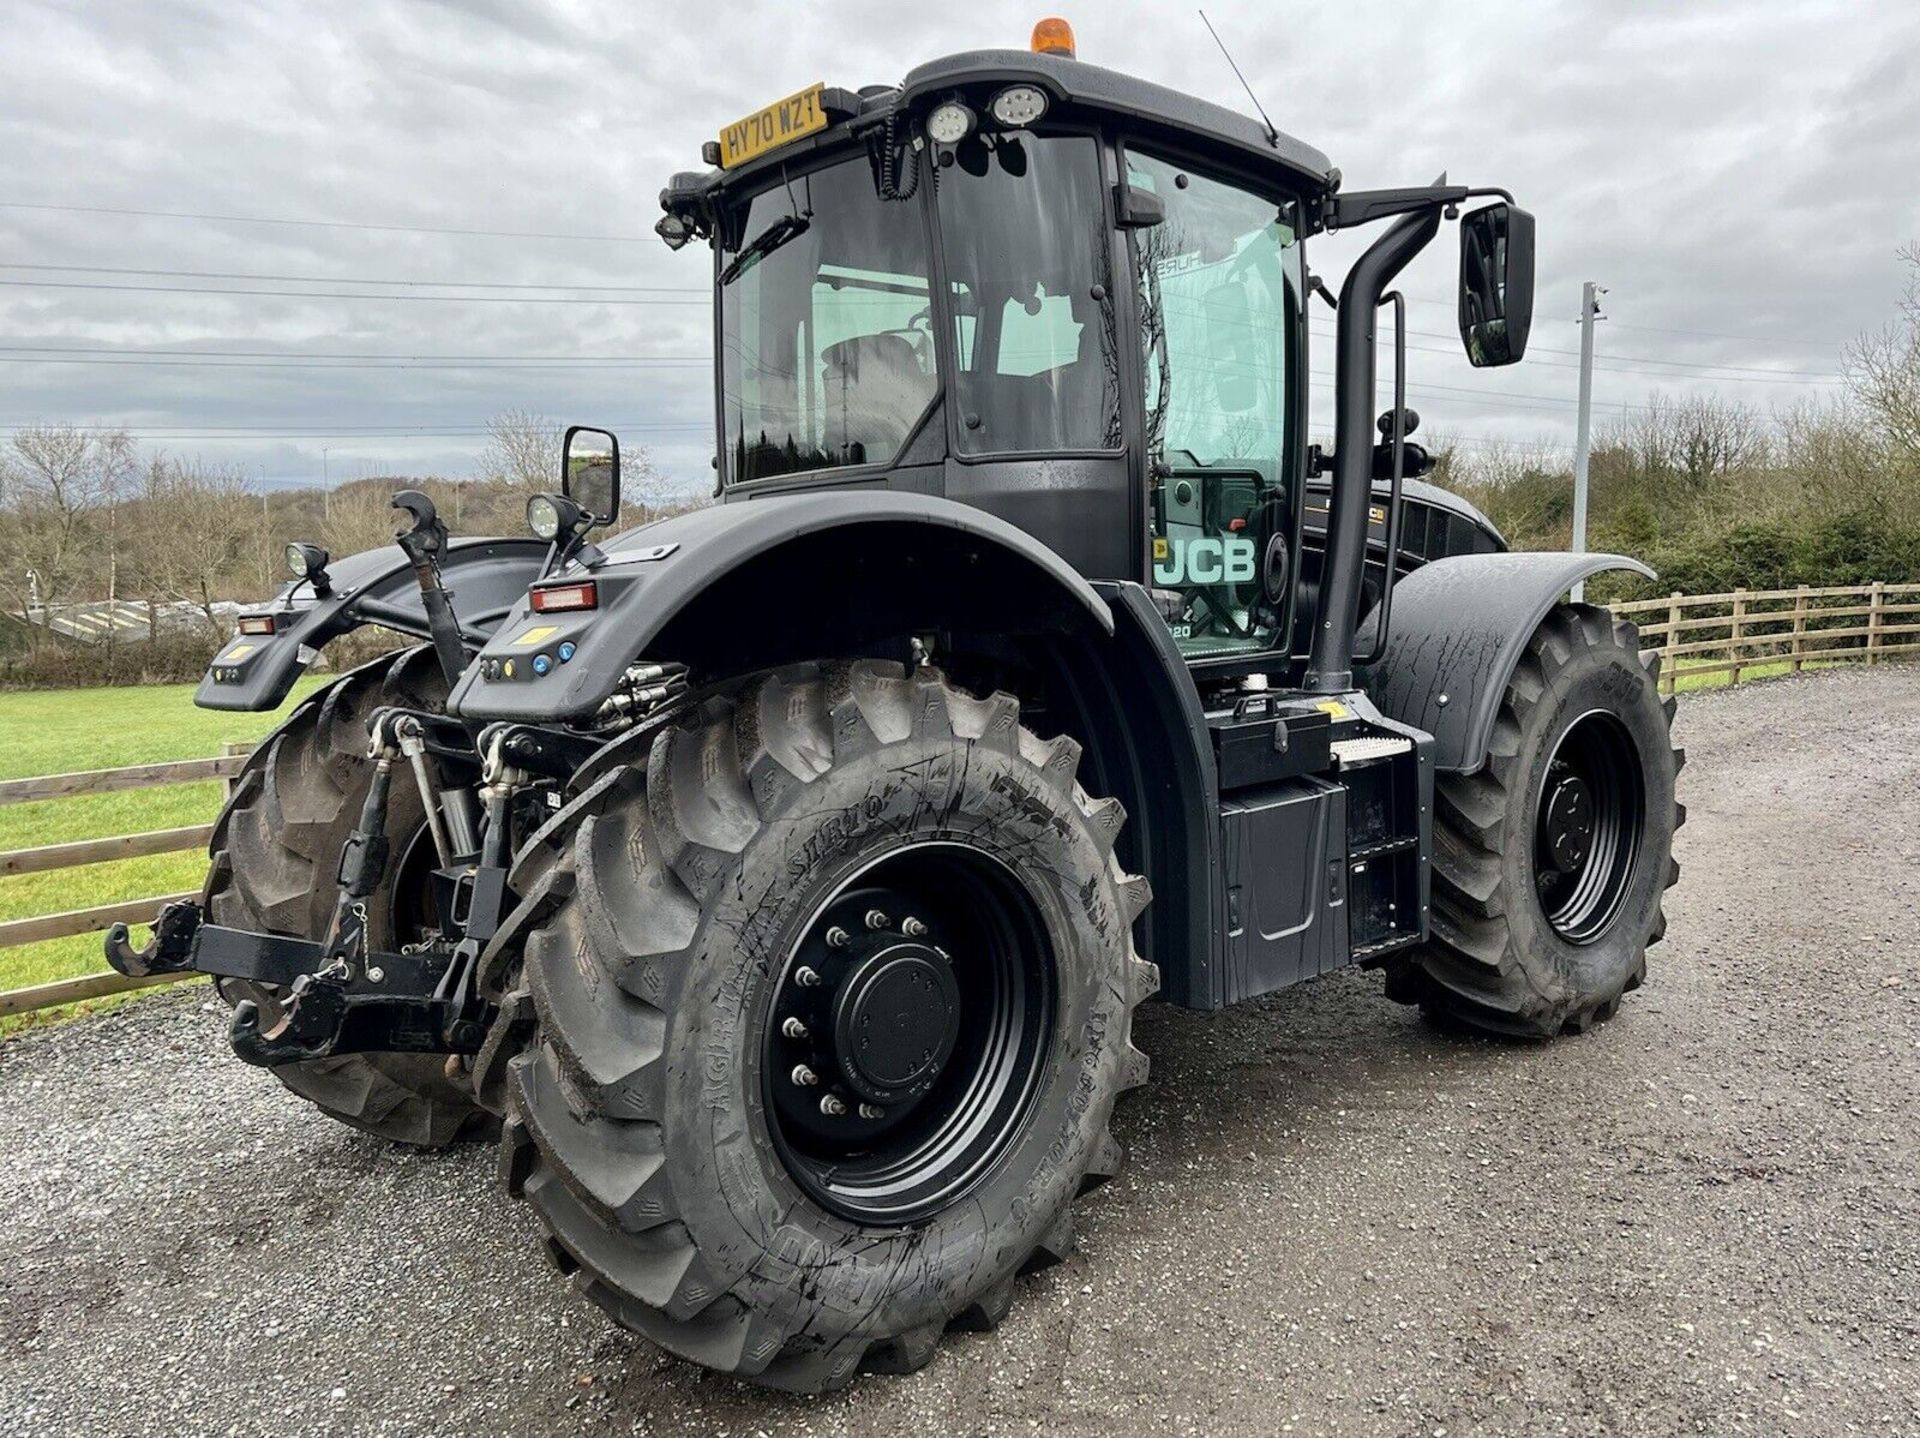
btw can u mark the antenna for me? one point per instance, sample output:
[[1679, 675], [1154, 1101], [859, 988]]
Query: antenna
[[1273, 135]]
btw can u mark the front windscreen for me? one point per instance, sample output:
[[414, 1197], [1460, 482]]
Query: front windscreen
[[828, 353]]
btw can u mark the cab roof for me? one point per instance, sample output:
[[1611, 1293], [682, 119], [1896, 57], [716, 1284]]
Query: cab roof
[[1074, 89]]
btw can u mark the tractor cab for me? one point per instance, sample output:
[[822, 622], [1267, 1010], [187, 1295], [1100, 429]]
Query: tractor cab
[[1062, 295]]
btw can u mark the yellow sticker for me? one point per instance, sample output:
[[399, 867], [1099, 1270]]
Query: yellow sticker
[[536, 634], [239, 651], [1159, 547], [1333, 707]]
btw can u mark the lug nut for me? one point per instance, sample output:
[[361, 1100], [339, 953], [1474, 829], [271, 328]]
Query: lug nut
[[832, 1105], [868, 1110], [876, 919], [912, 927], [806, 977], [838, 938], [793, 1029], [804, 1076]]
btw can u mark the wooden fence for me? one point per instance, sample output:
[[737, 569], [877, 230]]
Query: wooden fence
[[1708, 635], [14, 932]]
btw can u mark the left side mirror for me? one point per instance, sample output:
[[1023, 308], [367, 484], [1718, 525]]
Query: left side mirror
[[590, 472], [1496, 284]]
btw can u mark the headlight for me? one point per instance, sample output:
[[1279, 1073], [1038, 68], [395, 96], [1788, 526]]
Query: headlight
[[950, 123], [1018, 106], [543, 517], [306, 560]]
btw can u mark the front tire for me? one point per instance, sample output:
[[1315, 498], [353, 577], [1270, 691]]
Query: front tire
[[791, 1178], [1551, 861]]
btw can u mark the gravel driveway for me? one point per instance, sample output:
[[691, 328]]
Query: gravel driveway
[[1702, 1217]]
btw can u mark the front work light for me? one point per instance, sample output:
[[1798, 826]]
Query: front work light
[[553, 516], [309, 562], [950, 123], [1053, 36], [1018, 106]]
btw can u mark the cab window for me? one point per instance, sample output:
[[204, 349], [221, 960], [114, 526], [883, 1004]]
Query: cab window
[[1219, 305], [1024, 227]]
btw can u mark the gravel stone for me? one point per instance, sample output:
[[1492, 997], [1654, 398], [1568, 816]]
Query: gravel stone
[[1703, 1217]]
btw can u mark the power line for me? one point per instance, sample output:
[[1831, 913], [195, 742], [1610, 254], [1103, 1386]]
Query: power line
[[316, 224], [304, 355], [357, 280], [340, 294]]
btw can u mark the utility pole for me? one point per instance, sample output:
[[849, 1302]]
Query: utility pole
[[1583, 429], [326, 489]]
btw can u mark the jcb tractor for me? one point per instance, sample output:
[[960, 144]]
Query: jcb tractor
[[779, 880]]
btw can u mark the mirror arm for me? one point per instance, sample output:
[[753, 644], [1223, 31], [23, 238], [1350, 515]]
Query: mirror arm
[[1363, 206]]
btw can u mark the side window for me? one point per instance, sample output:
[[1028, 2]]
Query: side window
[[1023, 223], [1219, 303]]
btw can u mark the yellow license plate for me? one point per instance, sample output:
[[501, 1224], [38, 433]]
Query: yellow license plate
[[781, 123]]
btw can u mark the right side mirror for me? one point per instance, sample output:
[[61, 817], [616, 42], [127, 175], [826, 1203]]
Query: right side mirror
[[590, 472], [1496, 284]]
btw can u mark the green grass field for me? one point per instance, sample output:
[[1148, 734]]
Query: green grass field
[[56, 731]]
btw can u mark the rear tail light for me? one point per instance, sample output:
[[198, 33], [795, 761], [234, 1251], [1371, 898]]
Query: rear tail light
[[557, 598], [257, 624]]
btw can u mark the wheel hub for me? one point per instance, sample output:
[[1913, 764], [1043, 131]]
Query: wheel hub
[[896, 1019], [1569, 823]]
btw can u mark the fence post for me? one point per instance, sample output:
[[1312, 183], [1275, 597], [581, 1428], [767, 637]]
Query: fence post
[[1738, 634], [228, 750], [1874, 619], [1669, 661], [1799, 626]]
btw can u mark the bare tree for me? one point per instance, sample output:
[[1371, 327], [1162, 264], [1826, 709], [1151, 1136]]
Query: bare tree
[[523, 449], [199, 531], [1883, 368], [60, 482]]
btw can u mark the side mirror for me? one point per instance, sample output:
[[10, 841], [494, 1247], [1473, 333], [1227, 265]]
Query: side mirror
[[1496, 284], [590, 472]]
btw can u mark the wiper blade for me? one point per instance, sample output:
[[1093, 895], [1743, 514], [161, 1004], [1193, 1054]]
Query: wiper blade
[[787, 227]]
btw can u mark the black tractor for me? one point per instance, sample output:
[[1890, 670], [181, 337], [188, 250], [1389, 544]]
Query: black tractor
[[779, 880]]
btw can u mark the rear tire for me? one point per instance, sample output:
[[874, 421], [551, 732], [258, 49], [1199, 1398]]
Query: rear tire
[[657, 1124], [276, 850], [1550, 862]]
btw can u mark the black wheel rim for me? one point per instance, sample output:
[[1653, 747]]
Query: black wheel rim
[[906, 1034], [1589, 820]]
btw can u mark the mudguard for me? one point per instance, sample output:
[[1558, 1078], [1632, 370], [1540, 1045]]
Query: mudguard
[[485, 577], [757, 582], [1459, 626]]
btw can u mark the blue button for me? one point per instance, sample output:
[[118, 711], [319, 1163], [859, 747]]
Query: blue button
[[541, 664], [567, 651]]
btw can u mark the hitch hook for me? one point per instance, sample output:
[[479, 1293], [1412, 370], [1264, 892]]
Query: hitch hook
[[169, 951]]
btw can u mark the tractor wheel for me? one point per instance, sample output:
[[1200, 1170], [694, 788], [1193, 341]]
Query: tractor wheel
[[276, 851], [1551, 861], [826, 999]]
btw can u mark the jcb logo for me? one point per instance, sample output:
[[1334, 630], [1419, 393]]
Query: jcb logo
[[1225, 560]]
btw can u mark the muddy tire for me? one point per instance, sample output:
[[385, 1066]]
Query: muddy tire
[[876, 883], [275, 852], [1551, 861]]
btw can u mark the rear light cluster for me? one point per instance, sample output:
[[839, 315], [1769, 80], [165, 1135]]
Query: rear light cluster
[[560, 598], [258, 623]]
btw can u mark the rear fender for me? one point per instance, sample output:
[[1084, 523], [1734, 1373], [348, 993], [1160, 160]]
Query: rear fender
[[1459, 627], [485, 577], [754, 584]]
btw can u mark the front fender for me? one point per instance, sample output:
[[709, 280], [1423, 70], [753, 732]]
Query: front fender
[[756, 583], [485, 577], [1458, 629]]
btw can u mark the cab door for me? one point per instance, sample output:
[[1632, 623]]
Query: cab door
[[1219, 301]]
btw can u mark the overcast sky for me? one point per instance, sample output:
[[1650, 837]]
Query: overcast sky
[[1739, 175]]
